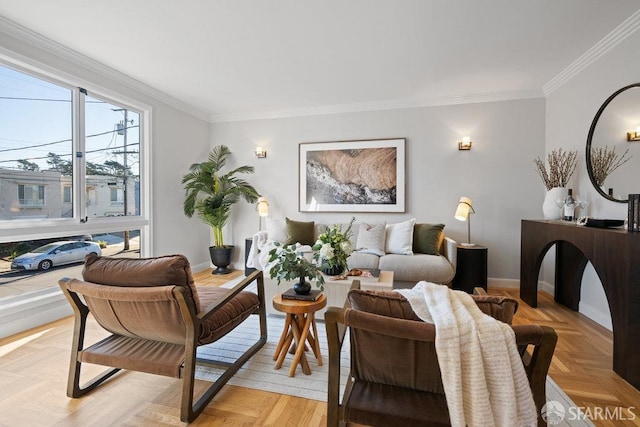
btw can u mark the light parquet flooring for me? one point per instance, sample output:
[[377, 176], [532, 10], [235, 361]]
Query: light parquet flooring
[[34, 364], [582, 362]]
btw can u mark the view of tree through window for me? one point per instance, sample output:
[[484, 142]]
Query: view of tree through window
[[67, 156], [37, 162]]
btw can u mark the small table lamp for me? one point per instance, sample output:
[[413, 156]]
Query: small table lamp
[[463, 212], [263, 210]]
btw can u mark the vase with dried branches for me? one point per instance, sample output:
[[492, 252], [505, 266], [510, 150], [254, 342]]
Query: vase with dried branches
[[605, 160], [562, 165]]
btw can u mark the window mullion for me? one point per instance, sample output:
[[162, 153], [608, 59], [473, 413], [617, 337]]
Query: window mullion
[[79, 158]]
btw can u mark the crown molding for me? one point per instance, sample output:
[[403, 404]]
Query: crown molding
[[25, 35], [378, 106], [620, 33]]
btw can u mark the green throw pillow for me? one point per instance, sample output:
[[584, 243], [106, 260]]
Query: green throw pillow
[[299, 232], [427, 238]]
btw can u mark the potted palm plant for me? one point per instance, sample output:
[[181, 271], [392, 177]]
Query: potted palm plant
[[211, 194]]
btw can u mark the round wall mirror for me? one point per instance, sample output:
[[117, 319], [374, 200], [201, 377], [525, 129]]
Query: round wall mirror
[[613, 145]]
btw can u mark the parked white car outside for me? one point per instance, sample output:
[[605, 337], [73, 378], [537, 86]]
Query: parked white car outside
[[54, 254]]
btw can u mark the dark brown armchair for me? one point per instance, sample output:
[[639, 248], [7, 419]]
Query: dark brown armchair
[[395, 378], [157, 318]]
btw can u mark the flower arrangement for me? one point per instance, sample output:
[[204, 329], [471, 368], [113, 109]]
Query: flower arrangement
[[289, 263], [604, 161], [562, 164], [333, 247]]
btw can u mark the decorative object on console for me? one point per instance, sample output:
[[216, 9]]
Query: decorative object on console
[[562, 164], [633, 217], [465, 143], [263, 210], [463, 213], [352, 176], [211, 195], [553, 203], [333, 247], [289, 263], [603, 223]]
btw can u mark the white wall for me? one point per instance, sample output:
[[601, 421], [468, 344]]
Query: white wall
[[570, 111], [497, 174]]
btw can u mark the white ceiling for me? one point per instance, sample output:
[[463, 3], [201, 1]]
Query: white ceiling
[[234, 59]]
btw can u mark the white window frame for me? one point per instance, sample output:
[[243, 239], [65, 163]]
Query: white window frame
[[19, 229]]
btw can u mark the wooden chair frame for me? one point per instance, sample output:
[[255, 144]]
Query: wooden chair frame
[[189, 410]]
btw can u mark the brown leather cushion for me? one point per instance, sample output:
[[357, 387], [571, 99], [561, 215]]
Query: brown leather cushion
[[383, 303], [228, 316], [380, 404], [393, 304], [140, 272]]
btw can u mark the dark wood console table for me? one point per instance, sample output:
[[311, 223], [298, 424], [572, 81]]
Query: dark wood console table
[[615, 256]]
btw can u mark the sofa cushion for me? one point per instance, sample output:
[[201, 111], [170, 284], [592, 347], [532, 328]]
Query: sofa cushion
[[399, 238], [371, 238], [428, 238], [300, 232], [276, 230], [433, 268], [362, 260]]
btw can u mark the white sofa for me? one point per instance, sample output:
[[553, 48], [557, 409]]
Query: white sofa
[[408, 269]]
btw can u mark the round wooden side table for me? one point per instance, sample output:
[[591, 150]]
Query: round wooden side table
[[300, 319]]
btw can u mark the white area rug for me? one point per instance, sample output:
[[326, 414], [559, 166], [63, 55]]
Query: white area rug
[[259, 373]]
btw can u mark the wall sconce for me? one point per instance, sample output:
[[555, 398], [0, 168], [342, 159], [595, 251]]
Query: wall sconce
[[463, 213], [261, 153], [465, 144], [634, 136]]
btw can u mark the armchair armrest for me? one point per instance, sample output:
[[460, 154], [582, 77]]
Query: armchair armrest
[[212, 308]]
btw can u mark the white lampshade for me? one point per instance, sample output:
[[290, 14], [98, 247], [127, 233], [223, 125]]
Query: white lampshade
[[464, 208], [263, 206]]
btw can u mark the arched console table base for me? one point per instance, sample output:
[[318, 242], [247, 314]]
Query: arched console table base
[[615, 256]]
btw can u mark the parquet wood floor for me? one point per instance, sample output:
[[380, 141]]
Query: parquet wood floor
[[582, 361], [33, 372]]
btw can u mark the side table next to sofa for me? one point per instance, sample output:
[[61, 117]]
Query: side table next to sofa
[[471, 270]]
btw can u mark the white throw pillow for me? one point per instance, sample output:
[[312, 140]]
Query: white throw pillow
[[371, 239], [276, 230], [399, 238]]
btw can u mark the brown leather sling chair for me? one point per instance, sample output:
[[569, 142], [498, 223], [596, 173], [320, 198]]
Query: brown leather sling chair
[[157, 318]]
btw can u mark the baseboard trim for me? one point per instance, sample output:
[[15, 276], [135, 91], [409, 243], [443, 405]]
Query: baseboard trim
[[494, 282], [17, 314], [603, 319]]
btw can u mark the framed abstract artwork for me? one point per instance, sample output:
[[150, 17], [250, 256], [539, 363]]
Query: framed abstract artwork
[[352, 176]]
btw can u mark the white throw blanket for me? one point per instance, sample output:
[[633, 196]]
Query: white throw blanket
[[482, 373]]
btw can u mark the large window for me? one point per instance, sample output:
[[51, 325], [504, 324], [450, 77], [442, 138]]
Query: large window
[[65, 152], [71, 169]]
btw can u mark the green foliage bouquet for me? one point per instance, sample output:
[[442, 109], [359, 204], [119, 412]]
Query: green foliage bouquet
[[289, 263], [333, 247]]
